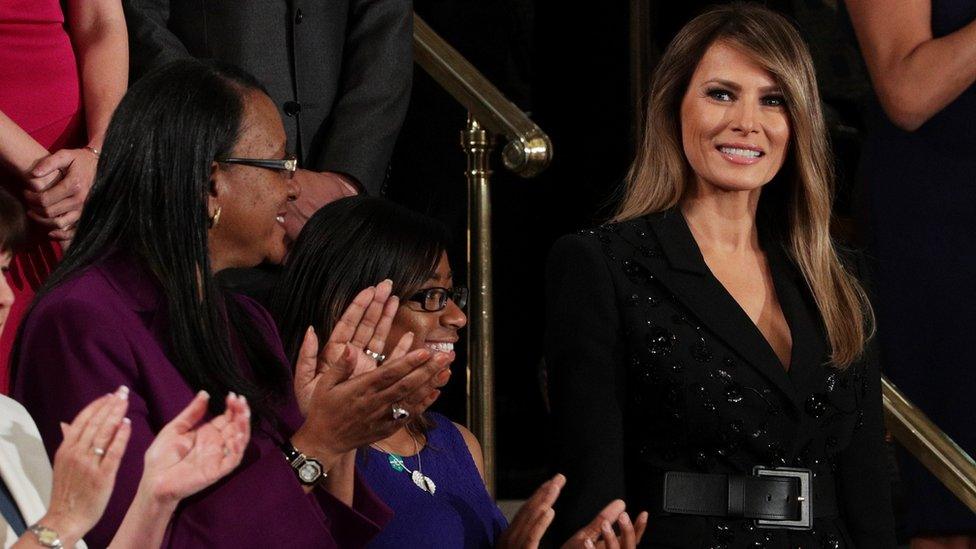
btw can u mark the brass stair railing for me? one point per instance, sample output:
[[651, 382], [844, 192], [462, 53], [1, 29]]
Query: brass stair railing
[[946, 460], [527, 152]]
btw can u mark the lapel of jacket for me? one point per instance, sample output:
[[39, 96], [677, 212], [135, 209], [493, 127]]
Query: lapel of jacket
[[693, 285], [810, 348]]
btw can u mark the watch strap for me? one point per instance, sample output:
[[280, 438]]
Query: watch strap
[[300, 461]]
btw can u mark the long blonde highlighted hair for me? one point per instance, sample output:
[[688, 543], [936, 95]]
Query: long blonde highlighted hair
[[798, 200]]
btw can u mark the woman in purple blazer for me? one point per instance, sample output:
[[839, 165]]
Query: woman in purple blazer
[[194, 179]]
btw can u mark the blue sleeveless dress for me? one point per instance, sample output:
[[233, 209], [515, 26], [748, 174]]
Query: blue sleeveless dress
[[923, 222], [460, 513]]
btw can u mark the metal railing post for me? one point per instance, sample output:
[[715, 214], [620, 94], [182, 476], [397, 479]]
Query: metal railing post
[[477, 143]]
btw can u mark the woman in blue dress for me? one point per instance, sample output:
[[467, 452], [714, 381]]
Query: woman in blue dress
[[431, 471], [919, 169]]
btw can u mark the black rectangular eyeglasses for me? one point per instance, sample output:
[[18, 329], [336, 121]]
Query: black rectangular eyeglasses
[[435, 299], [288, 165]]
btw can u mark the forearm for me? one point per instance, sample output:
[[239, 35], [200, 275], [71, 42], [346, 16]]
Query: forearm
[[144, 525], [341, 480], [145, 522], [933, 75], [915, 75], [102, 45], [18, 149]]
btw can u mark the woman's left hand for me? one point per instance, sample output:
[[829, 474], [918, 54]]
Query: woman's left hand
[[57, 205], [186, 458]]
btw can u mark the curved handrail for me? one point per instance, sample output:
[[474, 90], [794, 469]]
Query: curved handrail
[[916, 432], [528, 150]]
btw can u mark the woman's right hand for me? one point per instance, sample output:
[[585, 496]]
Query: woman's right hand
[[85, 466], [535, 515], [345, 412]]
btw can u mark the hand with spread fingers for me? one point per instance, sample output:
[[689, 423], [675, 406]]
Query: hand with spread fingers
[[185, 457], [188, 456], [535, 515], [600, 531], [85, 466], [345, 412], [57, 187], [533, 518], [364, 326]]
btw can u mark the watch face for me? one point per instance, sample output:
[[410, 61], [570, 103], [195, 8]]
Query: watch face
[[310, 471]]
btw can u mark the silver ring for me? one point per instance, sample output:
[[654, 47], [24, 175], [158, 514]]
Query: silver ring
[[374, 355], [399, 412], [98, 451]]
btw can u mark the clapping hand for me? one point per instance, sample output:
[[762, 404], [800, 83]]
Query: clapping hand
[[600, 533], [85, 465], [345, 412], [57, 188], [186, 457], [535, 515], [364, 327]]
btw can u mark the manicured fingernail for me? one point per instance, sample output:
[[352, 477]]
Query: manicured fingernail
[[243, 399], [387, 281], [605, 527], [203, 394], [127, 421], [589, 544], [247, 414], [122, 392], [624, 519], [231, 394]]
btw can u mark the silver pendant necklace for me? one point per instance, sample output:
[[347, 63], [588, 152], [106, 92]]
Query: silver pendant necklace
[[417, 476]]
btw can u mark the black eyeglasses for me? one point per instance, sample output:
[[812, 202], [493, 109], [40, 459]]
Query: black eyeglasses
[[435, 299], [288, 164]]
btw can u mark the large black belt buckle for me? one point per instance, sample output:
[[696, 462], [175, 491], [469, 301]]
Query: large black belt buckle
[[805, 497]]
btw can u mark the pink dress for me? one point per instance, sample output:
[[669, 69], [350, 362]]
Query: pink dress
[[40, 91]]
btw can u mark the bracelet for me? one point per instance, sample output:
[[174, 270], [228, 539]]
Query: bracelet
[[93, 150]]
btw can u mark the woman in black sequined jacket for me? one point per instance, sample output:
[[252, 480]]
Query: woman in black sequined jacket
[[708, 351]]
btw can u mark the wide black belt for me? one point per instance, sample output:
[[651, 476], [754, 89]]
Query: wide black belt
[[779, 498]]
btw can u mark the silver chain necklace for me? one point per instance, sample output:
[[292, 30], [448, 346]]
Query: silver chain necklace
[[417, 476]]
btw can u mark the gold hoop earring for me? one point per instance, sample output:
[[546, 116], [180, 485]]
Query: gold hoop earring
[[215, 218]]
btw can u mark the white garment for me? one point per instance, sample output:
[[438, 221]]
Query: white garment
[[24, 467]]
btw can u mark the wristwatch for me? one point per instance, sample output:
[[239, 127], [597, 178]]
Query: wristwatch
[[309, 470], [45, 536]]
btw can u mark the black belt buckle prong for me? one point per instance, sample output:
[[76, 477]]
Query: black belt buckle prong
[[805, 498]]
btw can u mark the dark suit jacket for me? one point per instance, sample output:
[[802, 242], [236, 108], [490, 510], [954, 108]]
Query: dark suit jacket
[[654, 367], [339, 70]]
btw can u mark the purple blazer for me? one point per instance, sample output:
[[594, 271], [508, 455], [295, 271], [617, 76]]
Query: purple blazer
[[108, 327]]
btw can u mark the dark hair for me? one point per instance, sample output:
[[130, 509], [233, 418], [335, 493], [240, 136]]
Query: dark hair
[[149, 198], [13, 223], [346, 246]]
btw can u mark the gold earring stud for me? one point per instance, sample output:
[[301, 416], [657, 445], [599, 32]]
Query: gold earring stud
[[215, 218]]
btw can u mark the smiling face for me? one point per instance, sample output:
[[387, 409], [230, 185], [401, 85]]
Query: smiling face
[[437, 331], [735, 129], [252, 200]]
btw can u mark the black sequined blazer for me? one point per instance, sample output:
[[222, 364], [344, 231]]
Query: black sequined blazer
[[654, 367]]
